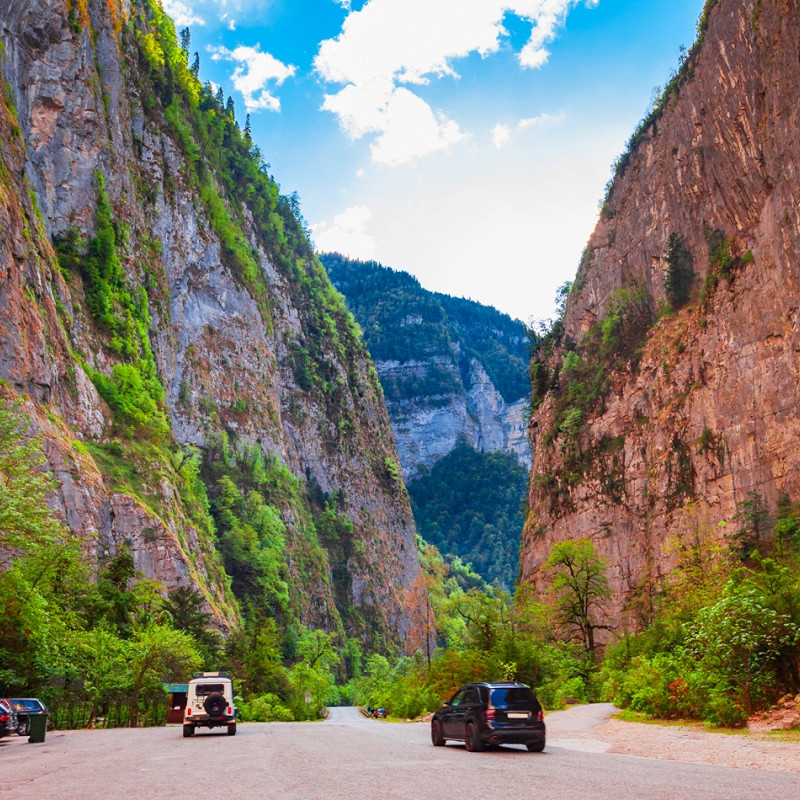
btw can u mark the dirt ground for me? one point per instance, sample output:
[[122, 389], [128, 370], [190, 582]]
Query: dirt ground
[[592, 728], [694, 744]]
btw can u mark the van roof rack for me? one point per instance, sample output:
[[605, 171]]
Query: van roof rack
[[210, 675]]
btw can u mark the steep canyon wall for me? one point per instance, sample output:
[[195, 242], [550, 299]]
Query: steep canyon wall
[[257, 356], [706, 412]]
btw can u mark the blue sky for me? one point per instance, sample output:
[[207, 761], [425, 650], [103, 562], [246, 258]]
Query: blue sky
[[465, 141]]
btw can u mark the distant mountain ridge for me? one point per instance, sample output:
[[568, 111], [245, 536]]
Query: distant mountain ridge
[[452, 370]]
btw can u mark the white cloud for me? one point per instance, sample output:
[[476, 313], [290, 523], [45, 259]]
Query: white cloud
[[412, 131], [501, 135], [542, 119], [255, 71], [347, 234], [182, 14], [391, 44]]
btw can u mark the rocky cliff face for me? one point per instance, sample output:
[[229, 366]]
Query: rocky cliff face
[[429, 427], [703, 409], [433, 353], [257, 356]]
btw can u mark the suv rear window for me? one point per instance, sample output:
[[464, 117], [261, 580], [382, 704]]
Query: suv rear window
[[209, 688], [511, 696]]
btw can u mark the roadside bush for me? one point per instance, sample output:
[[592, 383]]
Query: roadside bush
[[264, 708]]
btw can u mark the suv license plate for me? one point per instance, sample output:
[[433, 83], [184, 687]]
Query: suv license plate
[[517, 715]]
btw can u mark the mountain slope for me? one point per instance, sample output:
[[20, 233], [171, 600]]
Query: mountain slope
[[470, 506], [649, 433], [203, 393], [451, 369]]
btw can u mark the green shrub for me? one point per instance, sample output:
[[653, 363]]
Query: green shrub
[[263, 708]]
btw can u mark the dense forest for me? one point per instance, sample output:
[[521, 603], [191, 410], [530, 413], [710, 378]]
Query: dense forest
[[403, 322], [470, 505]]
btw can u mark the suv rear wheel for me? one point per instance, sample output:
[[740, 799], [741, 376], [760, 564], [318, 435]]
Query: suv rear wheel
[[231, 729], [535, 747], [188, 730], [472, 738]]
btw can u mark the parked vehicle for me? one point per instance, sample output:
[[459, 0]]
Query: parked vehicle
[[8, 719], [490, 714], [25, 707], [209, 703]]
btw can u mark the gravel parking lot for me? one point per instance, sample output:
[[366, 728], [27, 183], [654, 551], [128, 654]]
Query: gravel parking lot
[[587, 756]]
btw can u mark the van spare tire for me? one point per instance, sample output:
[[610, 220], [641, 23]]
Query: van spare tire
[[215, 705]]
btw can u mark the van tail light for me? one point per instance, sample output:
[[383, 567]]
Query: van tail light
[[540, 716], [488, 715]]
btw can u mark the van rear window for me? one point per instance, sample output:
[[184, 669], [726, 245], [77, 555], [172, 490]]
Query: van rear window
[[209, 688]]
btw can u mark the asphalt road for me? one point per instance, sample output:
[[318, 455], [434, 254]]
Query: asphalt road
[[349, 757]]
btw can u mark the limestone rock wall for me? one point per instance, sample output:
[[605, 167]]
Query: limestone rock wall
[[74, 107], [429, 427]]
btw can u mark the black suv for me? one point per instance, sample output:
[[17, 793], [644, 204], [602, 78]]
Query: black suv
[[481, 714]]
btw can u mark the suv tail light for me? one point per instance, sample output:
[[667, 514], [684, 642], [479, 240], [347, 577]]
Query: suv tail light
[[4, 717], [230, 711], [540, 716], [488, 715], [188, 711]]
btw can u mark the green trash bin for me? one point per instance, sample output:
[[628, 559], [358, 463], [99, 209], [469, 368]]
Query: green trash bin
[[37, 728]]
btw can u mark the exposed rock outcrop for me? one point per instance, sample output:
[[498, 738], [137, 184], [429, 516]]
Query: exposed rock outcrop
[[429, 427], [708, 412]]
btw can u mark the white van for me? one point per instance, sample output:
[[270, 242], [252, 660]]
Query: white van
[[209, 703]]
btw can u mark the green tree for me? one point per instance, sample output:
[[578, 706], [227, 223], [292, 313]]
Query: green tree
[[581, 591], [312, 678], [158, 654], [28, 526], [41, 567], [186, 607], [739, 641], [254, 654], [755, 521]]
